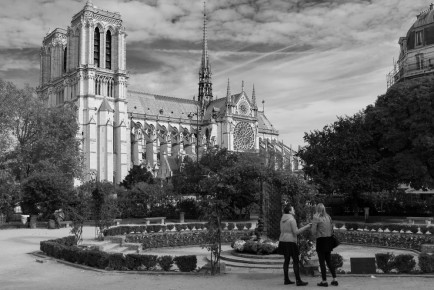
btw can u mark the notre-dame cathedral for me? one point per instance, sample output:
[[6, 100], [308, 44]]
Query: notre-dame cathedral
[[86, 65]]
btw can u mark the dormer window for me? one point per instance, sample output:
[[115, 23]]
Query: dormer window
[[419, 38]]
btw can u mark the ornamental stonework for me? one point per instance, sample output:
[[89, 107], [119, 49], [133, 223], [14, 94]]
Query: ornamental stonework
[[244, 137]]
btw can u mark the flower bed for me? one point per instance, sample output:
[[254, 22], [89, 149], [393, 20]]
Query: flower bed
[[260, 247], [176, 239], [392, 240], [67, 249], [401, 228]]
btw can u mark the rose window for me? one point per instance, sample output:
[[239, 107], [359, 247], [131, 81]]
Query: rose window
[[244, 136]]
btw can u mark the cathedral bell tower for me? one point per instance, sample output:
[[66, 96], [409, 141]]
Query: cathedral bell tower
[[85, 65], [205, 83]]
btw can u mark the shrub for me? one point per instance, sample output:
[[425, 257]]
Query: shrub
[[426, 263], [404, 263], [199, 226], [178, 227], [149, 261], [116, 261], [231, 226], [186, 263], [337, 261], [190, 226], [248, 226], [339, 225], [133, 261], [157, 228], [385, 261], [352, 226], [170, 227], [165, 262], [240, 226], [150, 228], [266, 249], [163, 228]]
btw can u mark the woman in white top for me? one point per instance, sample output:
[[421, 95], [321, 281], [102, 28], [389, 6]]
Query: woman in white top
[[288, 244]]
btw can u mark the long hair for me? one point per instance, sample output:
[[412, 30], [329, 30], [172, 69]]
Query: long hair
[[320, 210]]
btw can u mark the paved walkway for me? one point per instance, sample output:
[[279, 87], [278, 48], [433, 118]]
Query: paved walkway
[[18, 270]]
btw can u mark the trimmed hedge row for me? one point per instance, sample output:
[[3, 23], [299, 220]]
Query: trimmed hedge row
[[176, 239], [124, 230], [67, 249], [393, 240], [404, 263], [391, 227]]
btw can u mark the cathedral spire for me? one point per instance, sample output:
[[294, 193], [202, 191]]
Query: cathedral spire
[[242, 86], [254, 97], [205, 84], [228, 92]]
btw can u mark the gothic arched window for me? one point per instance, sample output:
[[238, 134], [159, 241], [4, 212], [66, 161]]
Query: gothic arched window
[[108, 50], [96, 47], [65, 53]]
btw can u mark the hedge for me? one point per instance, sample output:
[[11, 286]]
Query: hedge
[[66, 249], [391, 240], [183, 238], [391, 227]]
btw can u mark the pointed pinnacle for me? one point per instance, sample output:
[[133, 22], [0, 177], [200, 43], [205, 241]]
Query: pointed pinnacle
[[254, 96]]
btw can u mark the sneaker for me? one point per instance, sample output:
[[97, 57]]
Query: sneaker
[[301, 283], [334, 283], [323, 284], [288, 282]]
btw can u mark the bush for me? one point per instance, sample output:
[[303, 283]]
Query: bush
[[339, 225], [165, 262], [190, 208], [190, 226], [426, 263], [157, 228], [186, 263], [405, 263], [133, 261], [116, 261], [149, 261], [178, 227], [352, 226], [198, 226], [248, 226], [231, 226], [337, 261], [170, 227], [240, 226], [385, 261]]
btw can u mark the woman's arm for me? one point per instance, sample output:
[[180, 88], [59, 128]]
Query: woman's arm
[[297, 230], [314, 226]]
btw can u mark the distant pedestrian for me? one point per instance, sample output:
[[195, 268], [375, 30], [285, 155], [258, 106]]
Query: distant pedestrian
[[322, 229], [59, 216], [288, 244]]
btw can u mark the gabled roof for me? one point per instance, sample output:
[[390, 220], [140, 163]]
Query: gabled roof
[[105, 106], [264, 125], [219, 104], [150, 104]]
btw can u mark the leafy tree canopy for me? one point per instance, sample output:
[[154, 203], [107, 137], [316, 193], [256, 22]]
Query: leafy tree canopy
[[136, 175]]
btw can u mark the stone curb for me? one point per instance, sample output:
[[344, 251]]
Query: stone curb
[[84, 267]]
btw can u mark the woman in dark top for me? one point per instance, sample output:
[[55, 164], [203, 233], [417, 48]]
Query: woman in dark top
[[322, 229]]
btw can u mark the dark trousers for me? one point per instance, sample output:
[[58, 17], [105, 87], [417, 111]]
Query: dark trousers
[[291, 251], [326, 258]]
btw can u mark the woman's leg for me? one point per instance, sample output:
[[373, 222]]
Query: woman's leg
[[322, 266], [328, 259], [295, 261], [286, 267]]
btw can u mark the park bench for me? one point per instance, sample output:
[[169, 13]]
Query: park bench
[[65, 223], [149, 219], [427, 220]]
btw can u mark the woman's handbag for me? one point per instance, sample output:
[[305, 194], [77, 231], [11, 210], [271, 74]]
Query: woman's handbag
[[334, 241]]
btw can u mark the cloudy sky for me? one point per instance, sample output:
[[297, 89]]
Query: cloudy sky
[[310, 60]]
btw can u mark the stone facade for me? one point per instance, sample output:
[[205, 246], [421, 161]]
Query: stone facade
[[86, 65]]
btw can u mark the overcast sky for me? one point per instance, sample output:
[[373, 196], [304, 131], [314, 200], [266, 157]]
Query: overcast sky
[[309, 60]]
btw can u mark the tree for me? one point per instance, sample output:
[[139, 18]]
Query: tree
[[402, 126], [45, 192], [343, 158], [137, 174]]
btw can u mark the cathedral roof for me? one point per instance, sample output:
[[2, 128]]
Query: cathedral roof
[[264, 125], [150, 104], [219, 104]]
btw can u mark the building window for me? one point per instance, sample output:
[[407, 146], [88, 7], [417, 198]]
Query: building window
[[65, 53], [419, 61], [108, 50], [419, 38], [96, 47]]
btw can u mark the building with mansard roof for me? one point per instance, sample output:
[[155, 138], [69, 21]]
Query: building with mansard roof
[[416, 56], [86, 65]]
